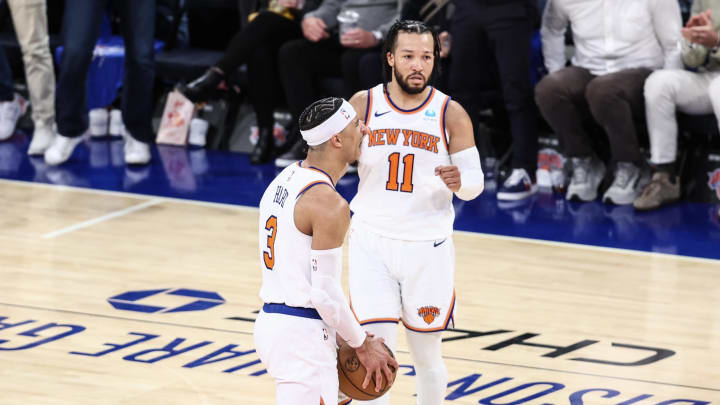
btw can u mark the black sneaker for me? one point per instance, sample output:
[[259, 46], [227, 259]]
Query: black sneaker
[[296, 153]]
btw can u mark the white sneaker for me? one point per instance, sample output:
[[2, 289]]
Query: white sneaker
[[517, 186], [10, 112], [61, 148], [42, 138], [627, 185], [586, 178], [136, 152]]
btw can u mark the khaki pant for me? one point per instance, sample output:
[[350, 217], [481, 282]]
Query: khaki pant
[[30, 21]]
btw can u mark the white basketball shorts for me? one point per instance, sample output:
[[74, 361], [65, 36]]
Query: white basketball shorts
[[300, 354], [392, 280]]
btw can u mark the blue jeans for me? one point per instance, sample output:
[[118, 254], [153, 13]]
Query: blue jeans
[[81, 26], [6, 79]]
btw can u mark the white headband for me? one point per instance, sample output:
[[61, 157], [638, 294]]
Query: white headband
[[331, 126]]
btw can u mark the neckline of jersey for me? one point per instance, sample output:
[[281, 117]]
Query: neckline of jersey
[[412, 110], [318, 170]]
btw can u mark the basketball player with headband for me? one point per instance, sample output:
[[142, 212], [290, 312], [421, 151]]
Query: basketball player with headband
[[420, 152], [302, 225]]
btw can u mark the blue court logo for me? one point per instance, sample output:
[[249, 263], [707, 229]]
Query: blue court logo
[[200, 300]]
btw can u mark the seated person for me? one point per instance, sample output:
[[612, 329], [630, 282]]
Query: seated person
[[257, 44], [330, 48], [616, 49], [690, 92]]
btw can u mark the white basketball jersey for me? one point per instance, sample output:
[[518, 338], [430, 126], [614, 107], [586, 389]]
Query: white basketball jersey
[[284, 250], [399, 196]]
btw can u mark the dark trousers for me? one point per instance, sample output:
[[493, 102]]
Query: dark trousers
[[615, 102], [491, 41], [81, 26], [7, 92], [302, 62], [257, 44]]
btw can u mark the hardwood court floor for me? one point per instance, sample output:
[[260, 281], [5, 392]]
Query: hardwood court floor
[[67, 255]]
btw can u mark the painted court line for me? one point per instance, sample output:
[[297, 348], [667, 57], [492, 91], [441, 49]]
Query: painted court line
[[475, 234], [103, 218]]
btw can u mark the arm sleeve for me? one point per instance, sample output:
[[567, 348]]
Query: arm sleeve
[[327, 296], [554, 25], [667, 23], [472, 180]]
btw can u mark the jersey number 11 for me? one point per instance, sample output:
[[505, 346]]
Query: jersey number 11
[[392, 183]]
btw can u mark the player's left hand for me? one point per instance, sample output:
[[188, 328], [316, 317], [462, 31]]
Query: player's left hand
[[450, 175], [358, 38]]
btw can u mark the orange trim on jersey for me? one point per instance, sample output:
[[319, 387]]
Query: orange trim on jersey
[[442, 123], [368, 108], [345, 402], [321, 401], [439, 328], [411, 111], [352, 310], [313, 184]]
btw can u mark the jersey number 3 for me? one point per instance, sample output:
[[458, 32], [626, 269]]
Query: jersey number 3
[[269, 257], [392, 183]]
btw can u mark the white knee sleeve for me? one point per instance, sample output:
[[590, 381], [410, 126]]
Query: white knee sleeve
[[431, 374]]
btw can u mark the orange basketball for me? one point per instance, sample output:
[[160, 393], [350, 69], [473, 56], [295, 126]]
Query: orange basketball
[[351, 374]]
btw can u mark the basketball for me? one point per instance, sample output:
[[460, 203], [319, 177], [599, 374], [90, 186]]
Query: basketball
[[351, 374]]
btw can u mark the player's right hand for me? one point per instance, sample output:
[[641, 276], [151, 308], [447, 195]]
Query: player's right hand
[[314, 29], [374, 355]]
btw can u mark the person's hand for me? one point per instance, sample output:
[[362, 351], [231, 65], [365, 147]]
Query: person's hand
[[699, 29], [699, 19], [358, 38], [376, 359], [450, 175], [445, 43], [314, 29], [288, 3]]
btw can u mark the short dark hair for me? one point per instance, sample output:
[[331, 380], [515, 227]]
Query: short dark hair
[[319, 111], [408, 27]]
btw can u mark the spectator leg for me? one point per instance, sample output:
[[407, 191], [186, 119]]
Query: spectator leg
[[614, 100], [30, 17], [351, 69], [137, 100], [665, 92], [561, 99], [267, 27], [370, 69], [81, 24], [263, 85], [7, 92], [300, 61], [511, 39]]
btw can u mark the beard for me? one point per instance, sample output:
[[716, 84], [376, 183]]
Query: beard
[[403, 82]]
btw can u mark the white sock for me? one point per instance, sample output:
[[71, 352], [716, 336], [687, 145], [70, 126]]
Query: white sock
[[389, 332], [431, 376]]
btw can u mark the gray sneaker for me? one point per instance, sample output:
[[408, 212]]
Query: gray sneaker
[[627, 185], [659, 192], [586, 177]]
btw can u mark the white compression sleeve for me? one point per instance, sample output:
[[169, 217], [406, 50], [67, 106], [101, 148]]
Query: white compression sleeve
[[471, 175], [328, 298]]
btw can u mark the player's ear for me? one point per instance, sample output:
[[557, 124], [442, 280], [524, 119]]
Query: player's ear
[[390, 59], [335, 140]]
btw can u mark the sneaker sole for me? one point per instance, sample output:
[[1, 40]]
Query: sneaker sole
[[516, 196]]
